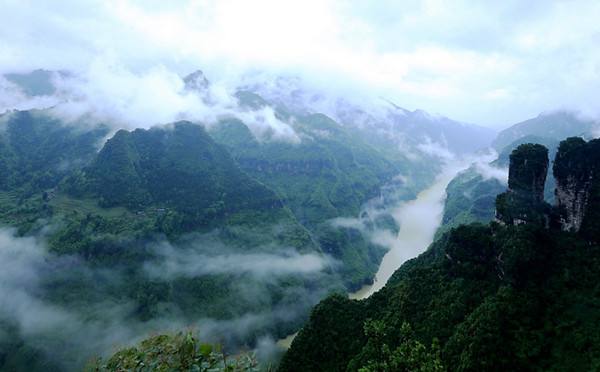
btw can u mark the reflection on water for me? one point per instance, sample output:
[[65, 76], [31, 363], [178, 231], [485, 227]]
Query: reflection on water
[[418, 220]]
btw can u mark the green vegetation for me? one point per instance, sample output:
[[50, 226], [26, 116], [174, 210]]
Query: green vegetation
[[181, 173], [495, 298], [524, 200], [557, 125], [37, 151], [471, 197], [178, 352], [485, 297], [332, 172], [149, 197]]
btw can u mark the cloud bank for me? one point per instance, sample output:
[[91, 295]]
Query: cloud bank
[[488, 63], [69, 332], [488, 171], [195, 262]]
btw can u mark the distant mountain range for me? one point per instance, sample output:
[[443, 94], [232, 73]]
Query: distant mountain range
[[519, 294], [174, 211], [380, 121], [472, 193]]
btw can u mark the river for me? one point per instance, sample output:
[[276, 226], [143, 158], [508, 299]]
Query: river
[[418, 220]]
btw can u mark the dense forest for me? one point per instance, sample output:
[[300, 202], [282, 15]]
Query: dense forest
[[185, 223], [161, 224], [520, 293], [276, 185]]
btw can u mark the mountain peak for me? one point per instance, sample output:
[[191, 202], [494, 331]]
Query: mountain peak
[[196, 81]]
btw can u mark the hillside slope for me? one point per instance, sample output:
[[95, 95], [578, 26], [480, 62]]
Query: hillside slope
[[159, 227], [471, 193], [491, 297]]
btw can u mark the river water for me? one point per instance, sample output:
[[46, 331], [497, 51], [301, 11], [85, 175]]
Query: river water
[[418, 220]]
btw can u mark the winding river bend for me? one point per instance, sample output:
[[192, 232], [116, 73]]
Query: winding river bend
[[418, 220]]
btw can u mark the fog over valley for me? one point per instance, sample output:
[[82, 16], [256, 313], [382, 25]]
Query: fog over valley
[[299, 186]]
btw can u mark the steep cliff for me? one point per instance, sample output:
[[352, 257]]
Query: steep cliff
[[524, 200], [576, 169], [517, 296]]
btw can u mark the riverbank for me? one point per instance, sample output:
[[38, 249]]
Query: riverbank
[[418, 219]]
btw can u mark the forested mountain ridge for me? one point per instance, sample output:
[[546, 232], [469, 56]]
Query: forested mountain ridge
[[471, 194], [228, 225], [516, 295], [381, 122], [167, 215], [346, 155], [556, 125], [37, 151], [329, 174], [177, 169]]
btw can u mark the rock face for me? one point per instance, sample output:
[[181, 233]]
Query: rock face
[[576, 170], [527, 172], [524, 200], [573, 182]]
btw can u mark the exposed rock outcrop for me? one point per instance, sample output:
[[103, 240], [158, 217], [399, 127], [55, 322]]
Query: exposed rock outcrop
[[573, 181], [524, 200], [527, 172], [196, 81], [576, 170]]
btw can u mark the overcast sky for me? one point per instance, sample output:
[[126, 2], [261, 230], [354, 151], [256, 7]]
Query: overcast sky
[[486, 62]]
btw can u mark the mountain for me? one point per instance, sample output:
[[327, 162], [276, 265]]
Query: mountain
[[37, 151], [330, 172], [181, 170], [556, 125], [36, 82], [346, 157], [178, 223], [515, 295], [380, 122], [160, 226], [471, 194], [578, 186]]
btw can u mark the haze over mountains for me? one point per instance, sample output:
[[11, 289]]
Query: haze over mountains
[[287, 202], [472, 194], [301, 186], [300, 183]]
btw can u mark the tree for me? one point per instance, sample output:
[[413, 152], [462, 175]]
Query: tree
[[178, 352]]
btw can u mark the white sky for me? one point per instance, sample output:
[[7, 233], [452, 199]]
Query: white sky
[[486, 62]]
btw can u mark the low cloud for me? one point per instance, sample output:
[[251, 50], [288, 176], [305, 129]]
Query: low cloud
[[70, 331], [109, 93], [436, 149], [195, 262], [13, 98], [596, 132], [68, 336], [488, 172]]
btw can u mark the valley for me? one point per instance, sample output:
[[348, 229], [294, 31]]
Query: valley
[[418, 219], [299, 186]]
